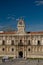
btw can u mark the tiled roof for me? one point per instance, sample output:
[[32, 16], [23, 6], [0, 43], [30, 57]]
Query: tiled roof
[[41, 32], [14, 32]]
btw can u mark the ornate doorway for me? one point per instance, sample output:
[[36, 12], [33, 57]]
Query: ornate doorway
[[20, 54]]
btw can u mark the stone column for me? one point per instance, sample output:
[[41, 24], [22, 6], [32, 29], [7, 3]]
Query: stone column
[[36, 49], [33, 49], [25, 52], [15, 52], [39, 48]]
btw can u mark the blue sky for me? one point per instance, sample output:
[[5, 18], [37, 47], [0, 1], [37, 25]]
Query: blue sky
[[30, 10]]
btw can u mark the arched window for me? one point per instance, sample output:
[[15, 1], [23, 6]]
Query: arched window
[[29, 42], [38, 42], [3, 49], [3, 42], [12, 42], [20, 43], [12, 49], [29, 49]]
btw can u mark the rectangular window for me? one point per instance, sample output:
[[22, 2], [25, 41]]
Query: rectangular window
[[38, 42], [3, 42], [12, 42], [29, 42]]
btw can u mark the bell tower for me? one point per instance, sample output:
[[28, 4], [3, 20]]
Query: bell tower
[[21, 26]]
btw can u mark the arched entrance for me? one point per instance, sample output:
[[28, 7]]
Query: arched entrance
[[20, 54]]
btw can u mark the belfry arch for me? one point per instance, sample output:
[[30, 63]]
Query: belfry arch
[[20, 54]]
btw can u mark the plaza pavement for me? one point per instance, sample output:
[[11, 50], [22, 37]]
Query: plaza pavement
[[22, 62]]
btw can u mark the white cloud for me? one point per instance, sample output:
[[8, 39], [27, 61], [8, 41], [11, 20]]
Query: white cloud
[[38, 3], [17, 19], [11, 18], [1, 26], [8, 17], [21, 17]]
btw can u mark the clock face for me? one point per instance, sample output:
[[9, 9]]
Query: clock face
[[20, 22]]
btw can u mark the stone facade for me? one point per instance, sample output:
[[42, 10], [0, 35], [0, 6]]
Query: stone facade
[[21, 43]]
